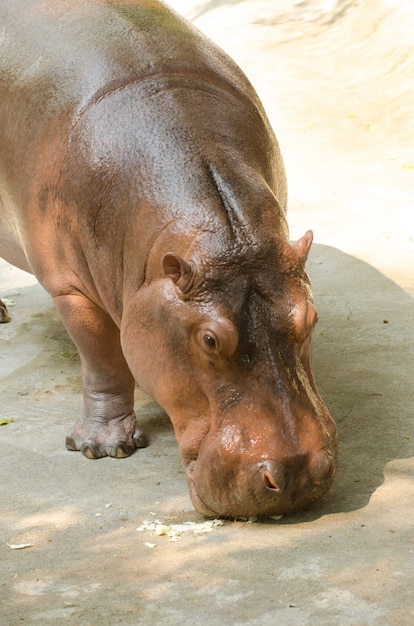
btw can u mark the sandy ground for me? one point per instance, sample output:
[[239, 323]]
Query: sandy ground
[[336, 79]]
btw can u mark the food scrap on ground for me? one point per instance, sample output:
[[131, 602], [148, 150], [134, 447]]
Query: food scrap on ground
[[19, 546], [174, 531]]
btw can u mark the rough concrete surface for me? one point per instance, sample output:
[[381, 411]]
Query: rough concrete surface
[[336, 79]]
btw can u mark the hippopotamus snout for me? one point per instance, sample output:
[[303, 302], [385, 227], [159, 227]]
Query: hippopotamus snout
[[264, 488]]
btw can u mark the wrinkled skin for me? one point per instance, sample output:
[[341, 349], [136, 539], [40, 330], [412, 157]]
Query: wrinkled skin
[[141, 183]]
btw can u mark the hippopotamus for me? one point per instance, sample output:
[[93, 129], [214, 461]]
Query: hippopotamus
[[142, 184]]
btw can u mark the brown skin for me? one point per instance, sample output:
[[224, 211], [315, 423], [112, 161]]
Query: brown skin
[[143, 186]]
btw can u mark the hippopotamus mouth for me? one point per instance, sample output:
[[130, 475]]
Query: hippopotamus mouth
[[195, 498]]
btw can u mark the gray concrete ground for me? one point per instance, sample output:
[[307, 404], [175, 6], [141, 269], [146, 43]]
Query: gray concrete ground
[[336, 79]]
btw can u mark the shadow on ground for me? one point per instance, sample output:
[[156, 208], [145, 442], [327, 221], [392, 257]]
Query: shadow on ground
[[362, 344]]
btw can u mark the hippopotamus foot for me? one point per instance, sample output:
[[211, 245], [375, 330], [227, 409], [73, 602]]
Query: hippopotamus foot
[[4, 316], [117, 438]]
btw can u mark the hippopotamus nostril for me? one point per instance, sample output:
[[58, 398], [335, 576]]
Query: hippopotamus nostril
[[321, 467], [269, 481], [273, 476]]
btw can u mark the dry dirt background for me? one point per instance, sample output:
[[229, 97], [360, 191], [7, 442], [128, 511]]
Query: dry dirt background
[[336, 77]]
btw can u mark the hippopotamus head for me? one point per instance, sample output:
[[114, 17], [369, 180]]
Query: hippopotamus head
[[225, 347]]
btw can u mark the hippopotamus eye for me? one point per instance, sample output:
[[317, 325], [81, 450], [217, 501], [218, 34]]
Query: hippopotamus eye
[[218, 336], [209, 341]]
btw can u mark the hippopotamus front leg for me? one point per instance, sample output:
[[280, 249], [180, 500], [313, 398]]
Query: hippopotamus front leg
[[4, 316], [108, 426]]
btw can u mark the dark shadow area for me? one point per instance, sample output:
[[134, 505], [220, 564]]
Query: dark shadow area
[[364, 359], [154, 419]]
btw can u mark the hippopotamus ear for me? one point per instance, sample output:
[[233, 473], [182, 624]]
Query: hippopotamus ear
[[303, 245], [178, 270]]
